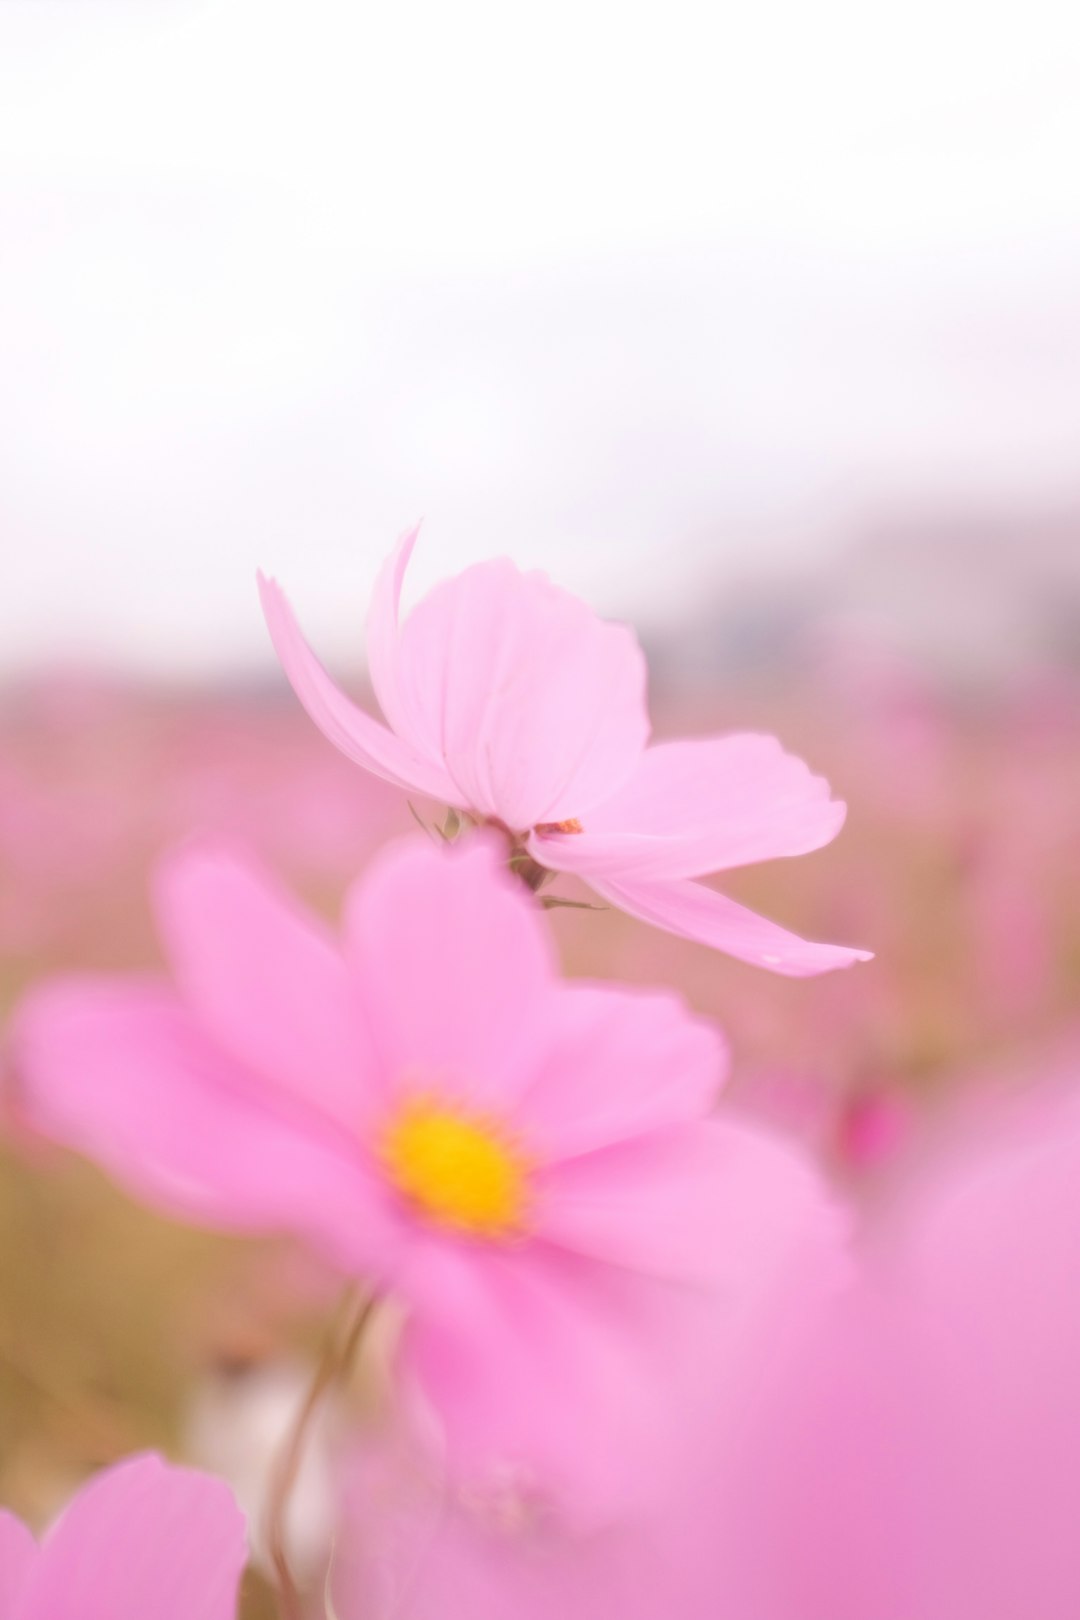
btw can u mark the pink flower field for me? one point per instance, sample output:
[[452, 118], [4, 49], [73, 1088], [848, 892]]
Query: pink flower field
[[648, 1259], [539, 810]]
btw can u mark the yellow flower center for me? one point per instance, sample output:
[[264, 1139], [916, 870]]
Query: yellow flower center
[[458, 1170]]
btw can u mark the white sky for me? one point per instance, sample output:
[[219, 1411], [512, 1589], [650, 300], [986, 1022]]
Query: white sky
[[631, 292]]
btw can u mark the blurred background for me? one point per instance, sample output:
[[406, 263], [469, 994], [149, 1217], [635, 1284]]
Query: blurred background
[[758, 326]]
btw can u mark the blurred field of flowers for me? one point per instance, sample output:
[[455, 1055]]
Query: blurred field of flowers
[[960, 867], [758, 329]]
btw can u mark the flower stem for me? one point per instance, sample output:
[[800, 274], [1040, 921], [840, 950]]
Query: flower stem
[[531, 873], [346, 1330]]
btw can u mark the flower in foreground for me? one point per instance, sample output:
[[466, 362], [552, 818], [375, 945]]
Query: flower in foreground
[[141, 1539], [909, 1451], [525, 1164], [946, 1398], [508, 699]]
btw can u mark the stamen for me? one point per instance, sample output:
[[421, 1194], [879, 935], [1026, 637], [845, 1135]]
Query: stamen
[[571, 826], [456, 1169]]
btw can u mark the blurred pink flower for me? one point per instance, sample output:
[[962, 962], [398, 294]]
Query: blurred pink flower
[[873, 1127], [920, 1456], [524, 1163], [413, 1546], [507, 698], [909, 1452], [140, 1539]]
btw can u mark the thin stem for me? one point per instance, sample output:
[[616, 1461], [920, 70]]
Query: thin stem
[[345, 1333], [531, 873]]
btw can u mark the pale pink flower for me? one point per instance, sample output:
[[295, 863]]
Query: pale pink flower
[[141, 1539], [524, 1163], [507, 698]]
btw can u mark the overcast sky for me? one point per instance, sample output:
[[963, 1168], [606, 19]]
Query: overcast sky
[[634, 293]]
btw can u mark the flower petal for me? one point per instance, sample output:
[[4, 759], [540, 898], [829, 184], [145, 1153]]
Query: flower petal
[[700, 805], [121, 1072], [265, 979], [535, 704], [692, 909], [348, 727], [454, 964], [677, 1553], [142, 1539], [616, 1063], [383, 640], [542, 1368], [718, 1204], [18, 1554]]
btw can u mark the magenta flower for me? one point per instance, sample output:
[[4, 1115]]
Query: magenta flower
[[525, 1164], [508, 699], [141, 1539]]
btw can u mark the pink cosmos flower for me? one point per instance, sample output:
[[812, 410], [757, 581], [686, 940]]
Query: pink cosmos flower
[[508, 699], [525, 1164], [141, 1539], [908, 1451]]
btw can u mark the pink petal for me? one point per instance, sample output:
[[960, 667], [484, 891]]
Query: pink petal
[[674, 1553], [689, 908], [454, 964], [141, 1539], [716, 1203], [535, 704], [383, 640], [448, 656], [989, 1265], [615, 1063], [700, 805], [540, 1367], [265, 980], [922, 1457], [348, 728], [121, 1072], [18, 1554]]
